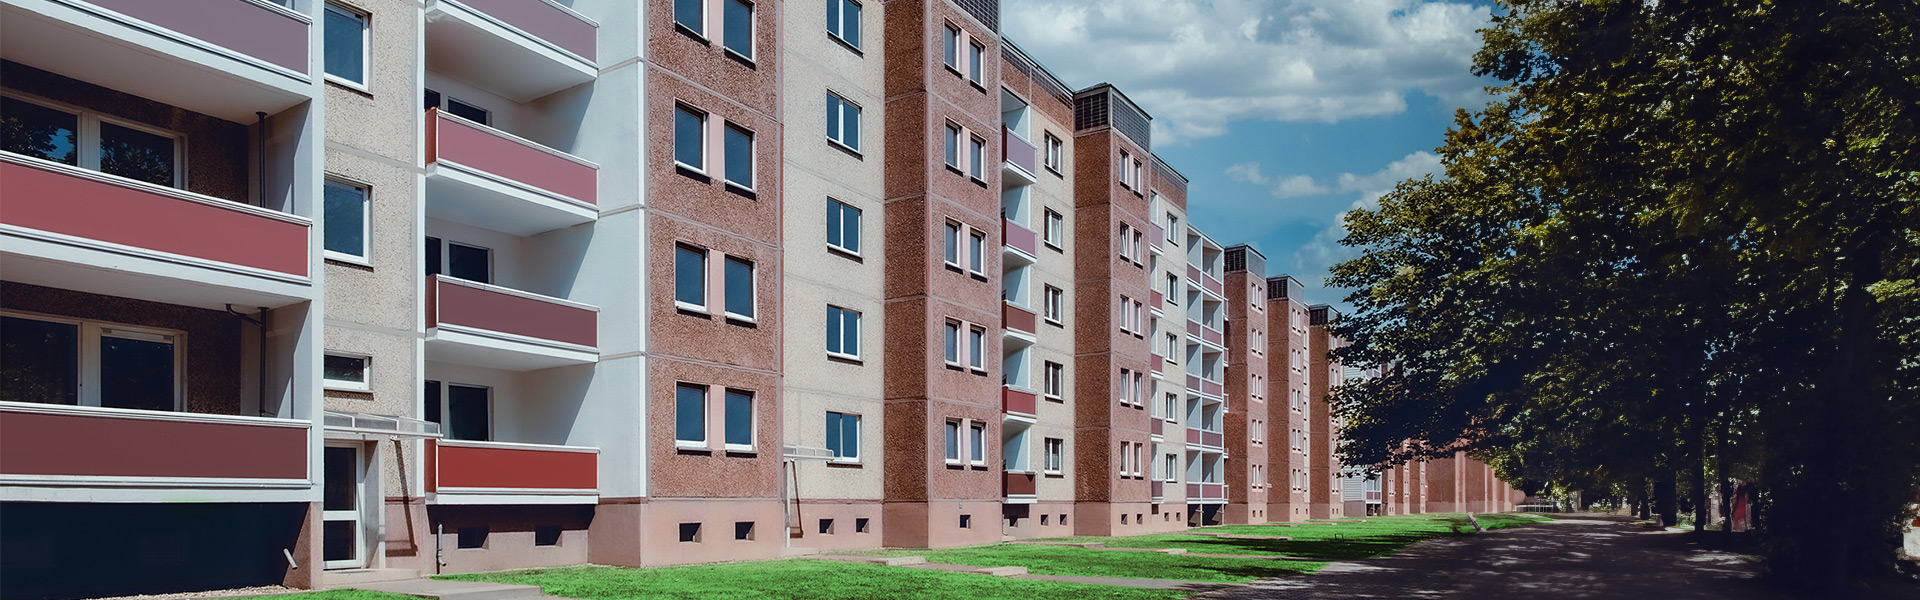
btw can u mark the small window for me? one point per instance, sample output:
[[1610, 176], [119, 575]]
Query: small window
[[1054, 152], [843, 21], [976, 62], [952, 240], [843, 332], [1054, 380], [977, 442], [743, 531], [690, 277], [347, 226], [691, 14], [1054, 228], [690, 532], [843, 122], [739, 156], [951, 47], [1055, 459], [976, 348], [953, 146], [1053, 304], [1043, 519], [345, 47], [740, 291], [690, 138], [458, 108], [977, 158], [843, 226], [966, 521], [470, 537], [953, 441], [739, 420], [953, 342], [546, 535], [344, 372], [977, 252], [739, 24], [843, 436], [826, 527], [860, 525], [690, 415]]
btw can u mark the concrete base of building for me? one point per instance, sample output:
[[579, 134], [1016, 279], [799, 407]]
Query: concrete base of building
[[1287, 512], [1130, 518], [837, 525], [941, 523], [1443, 507], [1353, 507], [678, 531], [1037, 520], [1245, 513], [63, 550], [472, 539], [1326, 510]]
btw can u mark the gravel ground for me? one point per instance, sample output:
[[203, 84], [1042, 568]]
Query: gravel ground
[[232, 593]]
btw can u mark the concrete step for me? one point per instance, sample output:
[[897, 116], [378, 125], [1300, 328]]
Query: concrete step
[[1073, 544], [885, 561], [793, 551], [456, 590], [994, 571], [358, 577]]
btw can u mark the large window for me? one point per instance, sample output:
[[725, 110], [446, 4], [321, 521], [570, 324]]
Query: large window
[[977, 443], [953, 145], [739, 156], [347, 225], [843, 122], [461, 410], [843, 227], [346, 44], [739, 420], [739, 24], [90, 140], [843, 436], [740, 292], [843, 21], [690, 137], [459, 261], [690, 415], [976, 347], [690, 277], [976, 62], [691, 14], [843, 332], [43, 360]]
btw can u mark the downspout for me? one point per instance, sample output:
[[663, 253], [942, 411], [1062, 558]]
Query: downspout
[[260, 161], [260, 325]]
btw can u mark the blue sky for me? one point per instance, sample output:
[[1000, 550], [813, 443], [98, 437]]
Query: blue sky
[[1283, 113]]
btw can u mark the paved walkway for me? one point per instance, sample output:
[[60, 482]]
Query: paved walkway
[[1577, 557]]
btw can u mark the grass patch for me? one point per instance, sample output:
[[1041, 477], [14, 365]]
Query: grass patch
[[341, 594], [798, 580], [1377, 537], [1069, 560]]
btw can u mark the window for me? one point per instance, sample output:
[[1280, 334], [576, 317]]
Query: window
[[1053, 303], [952, 48], [691, 14], [546, 535], [739, 420], [976, 348], [826, 527], [1139, 180], [1126, 387], [347, 225], [690, 277], [1126, 316], [1126, 241], [690, 532], [1172, 467], [90, 141], [1173, 223], [843, 436], [459, 261], [740, 292], [953, 441], [953, 243], [1125, 450], [977, 252], [461, 410], [743, 530], [843, 332], [977, 442], [953, 342], [1171, 409], [1053, 228], [843, 21], [345, 47], [1054, 150], [346, 372], [977, 158], [1139, 389], [1139, 248], [1126, 174], [843, 122], [690, 415], [843, 227], [976, 62], [457, 107], [860, 525], [690, 138], [953, 145], [739, 156], [1054, 381], [1173, 288], [1053, 452], [738, 37], [137, 367]]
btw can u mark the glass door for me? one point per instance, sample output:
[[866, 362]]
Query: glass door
[[343, 541]]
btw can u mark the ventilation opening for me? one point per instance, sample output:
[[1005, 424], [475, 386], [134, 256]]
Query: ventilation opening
[[826, 527], [546, 535], [743, 530], [860, 525], [472, 537], [966, 521], [690, 532]]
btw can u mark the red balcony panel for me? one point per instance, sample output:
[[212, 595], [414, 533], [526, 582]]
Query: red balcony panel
[[105, 442], [1019, 238], [1017, 319], [1213, 491], [1018, 402], [1212, 335], [1213, 285], [491, 308], [1193, 328], [1156, 426], [1194, 275], [1193, 490], [1017, 151], [1159, 300], [273, 36], [1193, 435], [495, 466], [1159, 234], [1159, 489], [56, 198], [495, 152], [1193, 382], [544, 20], [1212, 438], [1154, 363], [1210, 388], [1017, 484]]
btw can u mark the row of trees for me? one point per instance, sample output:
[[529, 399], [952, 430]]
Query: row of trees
[[1677, 249]]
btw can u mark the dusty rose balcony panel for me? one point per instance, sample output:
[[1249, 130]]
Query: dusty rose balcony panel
[[1017, 484], [1156, 426], [173, 448], [70, 201], [1018, 402], [1017, 319], [1193, 328], [1159, 234], [1206, 491], [1193, 382], [1159, 300], [1213, 336], [491, 308], [1212, 438], [1211, 388], [511, 158], [1159, 489], [1019, 238], [277, 37], [1018, 152], [1154, 363], [457, 467], [1213, 285], [545, 21]]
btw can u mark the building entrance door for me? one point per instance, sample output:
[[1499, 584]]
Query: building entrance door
[[343, 536]]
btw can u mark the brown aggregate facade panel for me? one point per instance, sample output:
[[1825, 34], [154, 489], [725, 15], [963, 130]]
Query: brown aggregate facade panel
[[711, 472], [1247, 408], [212, 341], [1282, 342], [707, 199], [753, 84]]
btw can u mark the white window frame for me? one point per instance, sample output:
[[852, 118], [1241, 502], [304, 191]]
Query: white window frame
[[950, 48], [365, 258], [857, 433], [977, 443], [1126, 178], [1053, 377], [977, 158], [705, 18], [706, 391], [953, 251], [956, 443], [977, 251], [753, 156], [1055, 149], [955, 346], [753, 422], [753, 30], [836, 21], [859, 222], [1053, 453], [88, 362], [976, 62], [977, 348], [837, 315], [705, 152], [366, 45], [839, 138], [1052, 304], [1052, 228], [753, 289], [955, 154], [86, 136], [366, 373], [706, 284]]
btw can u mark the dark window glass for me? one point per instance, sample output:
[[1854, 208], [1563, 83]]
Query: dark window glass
[[850, 435], [433, 404], [467, 409], [739, 287], [739, 418], [345, 368], [740, 157], [471, 537], [689, 137], [952, 47], [346, 48], [38, 131], [974, 59], [39, 361], [739, 17], [691, 14], [432, 98], [690, 275], [433, 256], [743, 530], [342, 478], [689, 532], [339, 540], [346, 219], [467, 111], [136, 373], [136, 154], [469, 262], [850, 22], [851, 115], [690, 413]]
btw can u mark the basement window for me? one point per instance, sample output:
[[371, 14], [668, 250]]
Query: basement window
[[472, 537], [546, 535], [690, 532]]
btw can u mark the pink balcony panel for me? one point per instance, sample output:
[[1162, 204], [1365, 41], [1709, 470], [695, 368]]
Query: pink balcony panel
[[92, 442], [1213, 285], [273, 36], [1017, 484], [1154, 362], [1156, 426], [1017, 402], [1194, 275], [56, 198], [1016, 318], [1212, 438], [1019, 238], [494, 152], [480, 306], [1193, 328], [543, 20], [1193, 382], [1159, 300], [1212, 335], [1159, 234], [1211, 388], [493, 466], [1017, 151], [1159, 489], [1193, 435]]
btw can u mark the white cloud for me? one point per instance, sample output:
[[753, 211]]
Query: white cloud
[[1247, 172], [1199, 65], [1298, 185], [1313, 261]]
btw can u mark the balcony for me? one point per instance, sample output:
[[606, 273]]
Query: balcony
[[1193, 382], [1159, 235], [1211, 388], [1159, 300], [226, 58], [492, 179], [1212, 336], [1159, 490], [1201, 437], [1018, 488], [141, 455], [462, 472], [1212, 284], [1023, 241], [1019, 161], [520, 49], [1156, 427], [1155, 362], [79, 229], [1018, 402], [491, 326], [1017, 320], [1206, 492]]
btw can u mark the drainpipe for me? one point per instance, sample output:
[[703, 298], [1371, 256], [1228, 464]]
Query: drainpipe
[[260, 325], [260, 161]]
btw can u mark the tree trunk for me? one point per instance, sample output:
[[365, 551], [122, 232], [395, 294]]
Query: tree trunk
[[1701, 512], [1664, 494]]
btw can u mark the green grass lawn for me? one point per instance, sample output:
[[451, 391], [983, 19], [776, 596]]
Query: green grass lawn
[[1379, 536], [797, 580], [1069, 560], [342, 594]]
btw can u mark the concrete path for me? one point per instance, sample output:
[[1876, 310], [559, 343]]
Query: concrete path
[[1577, 557]]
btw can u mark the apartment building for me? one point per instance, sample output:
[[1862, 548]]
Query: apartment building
[[1324, 470], [1247, 371], [1287, 324], [1167, 337]]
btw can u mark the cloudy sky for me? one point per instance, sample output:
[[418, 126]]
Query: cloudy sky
[[1283, 113]]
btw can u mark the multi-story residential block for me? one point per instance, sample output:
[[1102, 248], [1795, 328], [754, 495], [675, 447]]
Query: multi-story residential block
[[1247, 372], [1206, 371], [1287, 324], [1324, 471], [1167, 337]]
